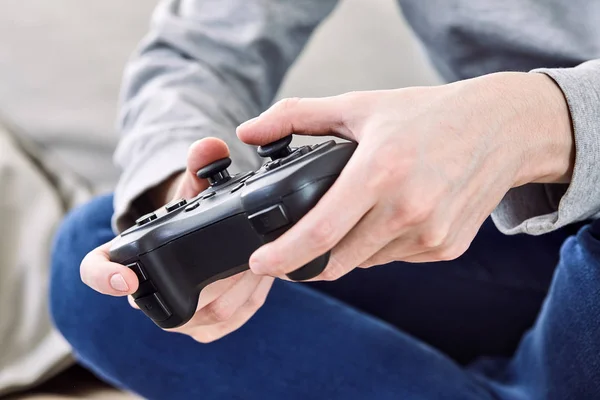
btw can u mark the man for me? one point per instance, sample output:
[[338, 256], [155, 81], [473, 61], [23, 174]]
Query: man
[[431, 165]]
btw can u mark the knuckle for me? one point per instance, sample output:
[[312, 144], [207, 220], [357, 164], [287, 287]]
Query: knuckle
[[433, 238], [417, 210], [323, 235], [409, 212], [219, 311], [396, 221], [386, 171], [351, 97], [256, 301], [286, 104], [450, 253]]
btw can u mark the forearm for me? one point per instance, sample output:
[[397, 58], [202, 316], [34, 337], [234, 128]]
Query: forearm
[[203, 69]]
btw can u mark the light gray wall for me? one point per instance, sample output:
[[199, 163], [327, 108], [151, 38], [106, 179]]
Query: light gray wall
[[61, 62]]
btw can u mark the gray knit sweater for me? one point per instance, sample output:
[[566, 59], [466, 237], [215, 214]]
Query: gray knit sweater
[[208, 65]]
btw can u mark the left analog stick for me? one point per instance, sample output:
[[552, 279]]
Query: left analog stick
[[216, 172]]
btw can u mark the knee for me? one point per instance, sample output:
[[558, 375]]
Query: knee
[[81, 231]]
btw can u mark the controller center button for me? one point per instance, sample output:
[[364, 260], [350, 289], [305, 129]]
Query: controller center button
[[154, 307], [209, 195], [175, 204], [144, 219], [139, 271], [269, 219]]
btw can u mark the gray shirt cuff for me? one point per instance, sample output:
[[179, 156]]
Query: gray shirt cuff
[[540, 208]]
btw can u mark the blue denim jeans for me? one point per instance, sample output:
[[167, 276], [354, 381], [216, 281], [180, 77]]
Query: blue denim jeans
[[516, 317]]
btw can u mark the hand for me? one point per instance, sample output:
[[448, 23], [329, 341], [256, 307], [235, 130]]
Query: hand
[[225, 305], [431, 165]]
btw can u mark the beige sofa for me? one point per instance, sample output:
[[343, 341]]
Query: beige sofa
[[60, 67]]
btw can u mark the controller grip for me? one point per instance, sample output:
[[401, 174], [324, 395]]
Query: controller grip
[[310, 270]]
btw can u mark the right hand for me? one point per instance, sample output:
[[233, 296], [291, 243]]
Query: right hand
[[224, 306]]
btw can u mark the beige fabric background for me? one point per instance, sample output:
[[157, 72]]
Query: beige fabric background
[[35, 193]]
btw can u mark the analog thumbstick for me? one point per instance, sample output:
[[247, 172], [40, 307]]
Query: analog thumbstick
[[216, 172], [276, 150]]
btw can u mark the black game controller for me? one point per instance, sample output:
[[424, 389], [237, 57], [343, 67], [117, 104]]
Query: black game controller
[[179, 249]]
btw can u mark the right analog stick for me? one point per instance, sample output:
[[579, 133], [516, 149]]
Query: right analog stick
[[277, 149]]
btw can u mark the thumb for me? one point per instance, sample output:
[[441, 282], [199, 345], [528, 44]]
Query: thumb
[[317, 116], [201, 153], [104, 276]]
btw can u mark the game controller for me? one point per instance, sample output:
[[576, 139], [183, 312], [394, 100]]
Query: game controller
[[184, 246]]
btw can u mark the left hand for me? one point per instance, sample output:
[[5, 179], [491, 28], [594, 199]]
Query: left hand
[[431, 165]]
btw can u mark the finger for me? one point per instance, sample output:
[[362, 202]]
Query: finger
[[132, 302], [226, 305], [208, 294], [367, 238], [216, 289], [319, 116], [467, 225], [321, 228], [201, 153], [401, 249], [107, 277], [210, 333]]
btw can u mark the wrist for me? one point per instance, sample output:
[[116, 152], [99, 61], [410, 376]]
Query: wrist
[[538, 124]]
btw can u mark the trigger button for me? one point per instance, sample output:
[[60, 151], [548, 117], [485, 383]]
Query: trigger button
[[269, 219], [154, 307], [139, 271]]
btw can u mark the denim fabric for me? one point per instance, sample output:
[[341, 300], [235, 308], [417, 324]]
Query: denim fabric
[[425, 331]]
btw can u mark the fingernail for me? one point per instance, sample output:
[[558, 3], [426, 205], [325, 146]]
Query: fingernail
[[118, 283]]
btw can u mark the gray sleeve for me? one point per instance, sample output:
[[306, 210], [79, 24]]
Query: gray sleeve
[[205, 67], [540, 208]]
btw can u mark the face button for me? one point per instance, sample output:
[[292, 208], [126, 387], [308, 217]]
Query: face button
[[271, 165], [269, 219], [175, 205], [237, 187], [295, 155], [246, 177], [216, 172], [277, 149], [145, 219], [192, 206]]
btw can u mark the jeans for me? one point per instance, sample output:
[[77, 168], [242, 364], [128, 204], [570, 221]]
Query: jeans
[[516, 317]]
